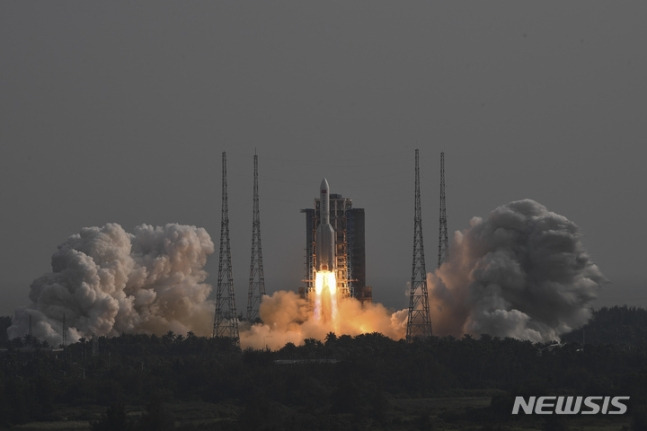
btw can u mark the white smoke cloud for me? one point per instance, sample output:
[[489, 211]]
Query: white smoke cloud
[[105, 281], [522, 272]]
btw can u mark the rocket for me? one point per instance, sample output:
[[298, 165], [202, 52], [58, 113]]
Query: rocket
[[325, 235]]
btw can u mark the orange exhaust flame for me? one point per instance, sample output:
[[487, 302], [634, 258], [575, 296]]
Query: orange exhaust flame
[[289, 318], [325, 297]]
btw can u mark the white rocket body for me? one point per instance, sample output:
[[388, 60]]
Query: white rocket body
[[325, 235]]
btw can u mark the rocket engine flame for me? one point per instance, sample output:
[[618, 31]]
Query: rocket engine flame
[[325, 300], [288, 318]]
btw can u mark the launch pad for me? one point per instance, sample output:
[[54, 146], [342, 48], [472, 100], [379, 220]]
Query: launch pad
[[342, 251]]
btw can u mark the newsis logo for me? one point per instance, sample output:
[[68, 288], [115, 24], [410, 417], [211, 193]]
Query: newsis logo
[[570, 405]]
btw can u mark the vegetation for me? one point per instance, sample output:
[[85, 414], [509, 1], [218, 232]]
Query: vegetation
[[615, 325], [366, 382]]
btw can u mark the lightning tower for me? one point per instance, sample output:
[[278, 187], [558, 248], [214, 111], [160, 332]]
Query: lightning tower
[[418, 322], [225, 323], [256, 277], [443, 243]]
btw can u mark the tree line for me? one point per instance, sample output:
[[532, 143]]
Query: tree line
[[342, 382]]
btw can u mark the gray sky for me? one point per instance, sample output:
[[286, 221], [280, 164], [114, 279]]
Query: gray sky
[[119, 111]]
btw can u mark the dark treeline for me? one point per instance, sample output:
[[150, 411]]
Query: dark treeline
[[341, 383], [615, 325]]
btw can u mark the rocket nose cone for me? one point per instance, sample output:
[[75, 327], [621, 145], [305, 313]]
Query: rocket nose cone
[[324, 185]]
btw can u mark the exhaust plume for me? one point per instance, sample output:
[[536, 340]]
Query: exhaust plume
[[522, 272], [105, 281], [288, 319]]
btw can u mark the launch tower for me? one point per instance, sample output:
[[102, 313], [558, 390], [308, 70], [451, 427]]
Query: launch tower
[[225, 322], [256, 276], [418, 321], [443, 243], [350, 261]]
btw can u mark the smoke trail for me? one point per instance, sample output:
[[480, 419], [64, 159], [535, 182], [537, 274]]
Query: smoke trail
[[105, 281], [522, 273]]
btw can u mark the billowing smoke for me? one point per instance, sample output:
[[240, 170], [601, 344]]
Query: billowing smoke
[[288, 319], [105, 281], [521, 272]]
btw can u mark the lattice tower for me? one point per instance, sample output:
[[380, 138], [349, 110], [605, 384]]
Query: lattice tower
[[225, 323], [418, 321], [256, 276], [443, 243]]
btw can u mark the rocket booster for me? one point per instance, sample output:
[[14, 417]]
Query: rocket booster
[[325, 235]]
